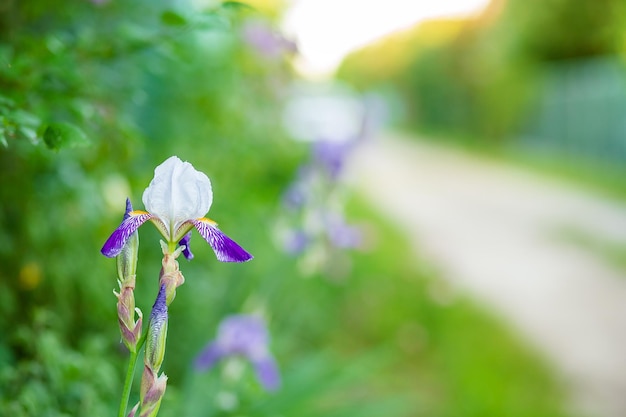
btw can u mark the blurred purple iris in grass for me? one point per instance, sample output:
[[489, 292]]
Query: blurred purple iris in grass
[[265, 40], [296, 241], [176, 201], [312, 201], [331, 155], [341, 234], [245, 336], [299, 191], [313, 223]]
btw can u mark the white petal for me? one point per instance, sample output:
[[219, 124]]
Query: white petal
[[178, 193]]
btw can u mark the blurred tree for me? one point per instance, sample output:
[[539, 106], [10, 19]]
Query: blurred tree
[[481, 78], [566, 29], [365, 69]]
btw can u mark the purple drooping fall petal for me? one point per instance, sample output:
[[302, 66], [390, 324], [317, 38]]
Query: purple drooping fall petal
[[266, 371], [114, 244], [226, 249], [209, 356]]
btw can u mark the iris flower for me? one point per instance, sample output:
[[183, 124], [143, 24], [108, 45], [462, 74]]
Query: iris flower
[[176, 202], [247, 336], [267, 42]]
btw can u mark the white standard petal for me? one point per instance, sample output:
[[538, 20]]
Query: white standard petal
[[177, 193]]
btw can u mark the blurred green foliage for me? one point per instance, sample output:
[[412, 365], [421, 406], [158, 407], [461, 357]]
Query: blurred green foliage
[[93, 96], [482, 77], [136, 82]]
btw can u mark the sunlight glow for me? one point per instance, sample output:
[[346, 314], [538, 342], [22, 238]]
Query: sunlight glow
[[327, 30]]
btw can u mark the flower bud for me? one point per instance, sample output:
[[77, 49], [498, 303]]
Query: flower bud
[[151, 393], [129, 328], [157, 332], [127, 258], [133, 412], [170, 275]]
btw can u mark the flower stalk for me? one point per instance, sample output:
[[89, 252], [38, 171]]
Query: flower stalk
[[128, 382]]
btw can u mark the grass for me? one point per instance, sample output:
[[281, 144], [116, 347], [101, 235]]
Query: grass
[[611, 252], [387, 338], [445, 353]]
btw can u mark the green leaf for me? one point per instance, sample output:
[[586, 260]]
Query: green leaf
[[3, 139], [64, 135], [24, 118], [29, 133], [211, 20], [236, 5], [172, 18], [6, 102]]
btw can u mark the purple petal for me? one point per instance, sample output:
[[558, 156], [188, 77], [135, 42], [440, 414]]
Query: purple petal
[[296, 242], [346, 237], [265, 40], [294, 197], [187, 251], [114, 244], [224, 247], [208, 357], [243, 334], [267, 372], [331, 155]]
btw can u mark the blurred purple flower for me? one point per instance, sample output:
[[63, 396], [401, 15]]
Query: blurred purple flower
[[296, 242], [247, 336], [294, 197], [331, 155], [265, 40], [342, 235], [298, 192]]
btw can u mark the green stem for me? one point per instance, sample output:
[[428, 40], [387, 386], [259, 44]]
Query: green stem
[[130, 375]]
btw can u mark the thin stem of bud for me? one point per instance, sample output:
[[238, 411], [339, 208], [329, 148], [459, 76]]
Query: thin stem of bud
[[130, 375]]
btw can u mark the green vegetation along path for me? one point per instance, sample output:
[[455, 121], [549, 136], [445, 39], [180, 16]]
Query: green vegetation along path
[[537, 252]]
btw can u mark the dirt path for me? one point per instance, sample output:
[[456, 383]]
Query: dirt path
[[496, 232]]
